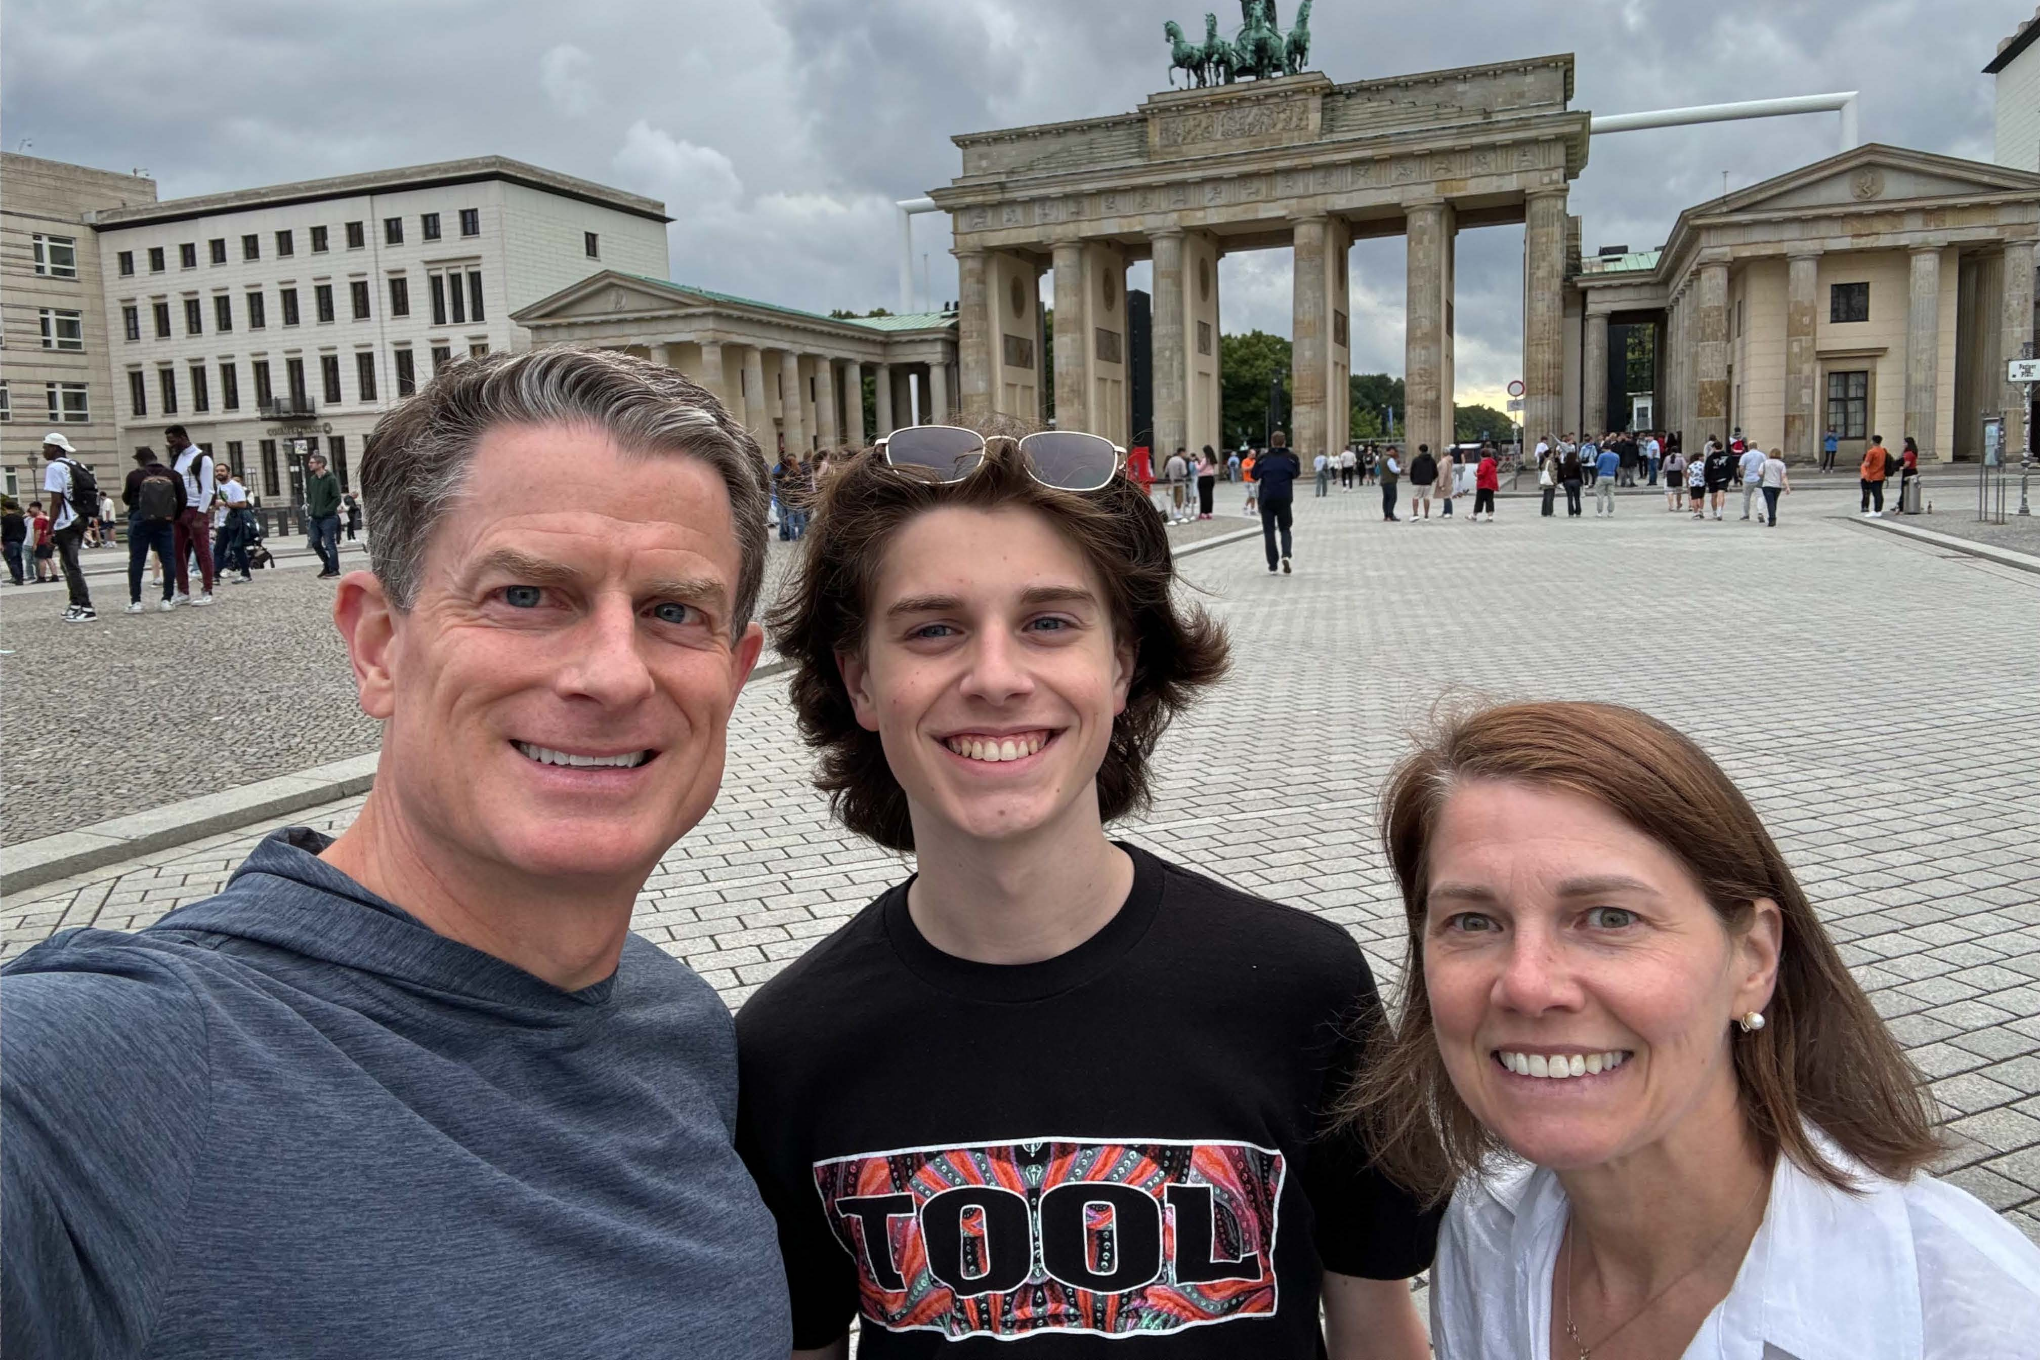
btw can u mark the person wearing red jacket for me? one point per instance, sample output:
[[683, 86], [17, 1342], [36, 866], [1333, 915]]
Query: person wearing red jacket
[[1487, 479]]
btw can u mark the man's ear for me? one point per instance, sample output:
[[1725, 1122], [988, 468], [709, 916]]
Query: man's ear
[[368, 622], [856, 675], [744, 656]]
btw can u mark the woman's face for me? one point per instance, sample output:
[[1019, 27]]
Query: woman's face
[[1560, 939]]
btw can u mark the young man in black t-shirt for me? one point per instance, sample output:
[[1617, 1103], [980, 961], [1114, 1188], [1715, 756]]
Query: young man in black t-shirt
[[1052, 1091]]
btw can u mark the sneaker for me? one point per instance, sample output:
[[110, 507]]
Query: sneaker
[[80, 614], [1285, 566], [1745, 516], [203, 599], [1271, 571], [135, 608], [180, 599], [166, 606]]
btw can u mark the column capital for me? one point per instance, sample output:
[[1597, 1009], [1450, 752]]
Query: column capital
[[961, 251], [1924, 250], [1804, 252], [1546, 191], [1162, 233], [1301, 218]]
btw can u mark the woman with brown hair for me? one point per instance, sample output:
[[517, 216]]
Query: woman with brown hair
[[1717, 1143]]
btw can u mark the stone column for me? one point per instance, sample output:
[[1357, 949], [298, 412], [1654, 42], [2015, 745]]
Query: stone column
[[938, 394], [792, 403], [885, 416], [853, 405], [1544, 313], [1072, 341], [1309, 337], [1594, 376], [1923, 350], [1802, 319], [712, 370], [757, 414], [1169, 365], [2017, 335], [975, 329], [662, 355], [1424, 329], [825, 402], [1710, 357]]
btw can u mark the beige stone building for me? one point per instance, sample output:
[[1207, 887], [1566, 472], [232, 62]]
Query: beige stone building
[[2015, 76], [54, 368]]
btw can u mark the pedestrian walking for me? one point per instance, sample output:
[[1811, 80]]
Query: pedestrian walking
[[107, 537], [154, 497], [1750, 467], [1829, 442], [1719, 468], [1253, 492], [1275, 474], [1771, 476], [1675, 480], [13, 534], [1653, 455], [1321, 466], [238, 530], [1696, 482], [1207, 481], [1389, 470], [1178, 471], [1370, 460], [1140, 470], [1487, 479], [1871, 474], [193, 537], [1448, 482], [1908, 471], [322, 508], [1423, 476], [1547, 476], [1607, 469], [41, 549], [1571, 472], [1232, 465], [1590, 458], [1348, 461], [350, 515], [73, 496]]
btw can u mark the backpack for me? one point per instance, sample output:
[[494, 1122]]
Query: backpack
[[156, 495], [84, 497]]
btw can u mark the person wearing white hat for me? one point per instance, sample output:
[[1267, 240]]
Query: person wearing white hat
[[69, 485]]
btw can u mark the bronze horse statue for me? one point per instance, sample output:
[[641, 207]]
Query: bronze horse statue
[[1185, 56]]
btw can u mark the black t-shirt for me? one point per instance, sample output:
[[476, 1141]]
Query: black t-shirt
[[1093, 1153], [1424, 471]]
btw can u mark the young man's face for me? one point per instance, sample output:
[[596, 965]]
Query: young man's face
[[991, 674]]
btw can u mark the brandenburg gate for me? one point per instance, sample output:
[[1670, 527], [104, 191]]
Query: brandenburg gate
[[1295, 160]]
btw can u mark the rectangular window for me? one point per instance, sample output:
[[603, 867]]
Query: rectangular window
[[257, 317], [155, 259], [329, 377], [1848, 403], [364, 375], [318, 240], [131, 320], [322, 301], [218, 248], [475, 295], [270, 485], [251, 247], [201, 395], [56, 257], [138, 392], [428, 226], [68, 403], [6, 415], [355, 236], [265, 395], [187, 255], [357, 297], [166, 388], [407, 377], [160, 313], [294, 377], [400, 296], [393, 231], [223, 312], [62, 330], [127, 263], [456, 299], [230, 386], [234, 459], [194, 317], [337, 446], [442, 355], [1849, 302], [590, 245], [478, 349], [288, 297], [286, 244], [471, 221], [438, 285]]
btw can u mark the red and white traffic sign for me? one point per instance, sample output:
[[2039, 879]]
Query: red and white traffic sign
[[1516, 388]]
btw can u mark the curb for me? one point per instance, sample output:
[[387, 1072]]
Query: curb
[[2004, 557]]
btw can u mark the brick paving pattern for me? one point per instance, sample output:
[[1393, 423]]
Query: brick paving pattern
[[1872, 696]]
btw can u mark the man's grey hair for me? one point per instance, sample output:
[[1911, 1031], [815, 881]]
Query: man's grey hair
[[415, 465]]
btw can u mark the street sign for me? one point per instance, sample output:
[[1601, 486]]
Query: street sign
[[1516, 388], [1515, 403], [2023, 371]]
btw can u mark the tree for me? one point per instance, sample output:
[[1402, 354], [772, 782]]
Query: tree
[[1481, 422], [1248, 366], [845, 314], [1371, 397]]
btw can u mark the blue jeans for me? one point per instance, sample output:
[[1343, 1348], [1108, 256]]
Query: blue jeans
[[326, 540], [14, 571], [143, 535]]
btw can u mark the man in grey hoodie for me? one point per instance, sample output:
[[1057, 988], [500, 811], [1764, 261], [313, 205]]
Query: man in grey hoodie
[[419, 1090]]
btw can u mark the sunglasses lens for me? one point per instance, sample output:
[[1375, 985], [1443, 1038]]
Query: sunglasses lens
[[951, 454], [1071, 460]]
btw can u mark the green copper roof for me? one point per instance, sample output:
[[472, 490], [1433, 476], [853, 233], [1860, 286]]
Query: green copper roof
[[1643, 260], [910, 321]]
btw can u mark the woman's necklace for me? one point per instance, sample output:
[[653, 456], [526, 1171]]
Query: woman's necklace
[[1572, 1331]]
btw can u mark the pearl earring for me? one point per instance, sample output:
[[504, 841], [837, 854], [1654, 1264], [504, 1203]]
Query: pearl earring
[[1751, 1022]]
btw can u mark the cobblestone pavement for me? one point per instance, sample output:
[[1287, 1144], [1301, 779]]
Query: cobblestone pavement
[[1873, 696]]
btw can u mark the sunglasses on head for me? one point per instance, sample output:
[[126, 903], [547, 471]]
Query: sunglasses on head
[[1065, 459]]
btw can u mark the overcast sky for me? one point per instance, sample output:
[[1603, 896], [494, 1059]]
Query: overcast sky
[[779, 133]]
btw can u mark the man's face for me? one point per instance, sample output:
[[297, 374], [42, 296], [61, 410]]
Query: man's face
[[557, 697], [177, 442], [317, 465]]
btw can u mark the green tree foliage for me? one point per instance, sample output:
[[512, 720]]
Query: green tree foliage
[[1481, 422], [1248, 364], [1371, 396], [845, 314]]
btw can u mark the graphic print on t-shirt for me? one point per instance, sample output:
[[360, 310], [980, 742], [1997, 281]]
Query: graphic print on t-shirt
[[1110, 1237]]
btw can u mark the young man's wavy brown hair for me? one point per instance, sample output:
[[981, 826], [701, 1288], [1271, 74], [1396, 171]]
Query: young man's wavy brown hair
[[824, 612]]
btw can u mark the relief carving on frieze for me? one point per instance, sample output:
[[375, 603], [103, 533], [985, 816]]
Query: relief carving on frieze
[[1248, 122]]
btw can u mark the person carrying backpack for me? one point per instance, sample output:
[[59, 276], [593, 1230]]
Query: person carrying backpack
[[74, 498], [154, 496]]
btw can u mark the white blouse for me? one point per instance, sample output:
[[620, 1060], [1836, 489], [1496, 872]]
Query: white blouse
[[1912, 1271]]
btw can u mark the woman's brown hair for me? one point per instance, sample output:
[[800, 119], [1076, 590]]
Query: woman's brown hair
[[1823, 1058], [825, 609]]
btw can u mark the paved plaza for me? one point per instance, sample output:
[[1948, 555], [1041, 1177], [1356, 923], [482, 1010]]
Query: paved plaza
[[1874, 696]]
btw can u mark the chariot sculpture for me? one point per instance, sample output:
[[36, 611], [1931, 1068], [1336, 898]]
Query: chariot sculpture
[[1259, 49]]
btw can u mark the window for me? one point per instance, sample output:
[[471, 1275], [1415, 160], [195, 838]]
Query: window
[[288, 297], [294, 377], [62, 330], [251, 247], [6, 416], [478, 349], [457, 298], [201, 396], [127, 263], [1848, 402], [438, 283], [155, 259], [428, 226], [407, 377], [138, 392], [475, 295], [364, 375], [357, 293], [270, 485], [160, 313], [442, 355], [322, 301], [336, 445], [329, 377], [1849, 302], [286, 243], [187, 255], [56, 257], [223, 312], [257, 319], [356, 237], [590, 245], [194, 316], [318, 240], [218, 247], [166, 388], [393, 231], [230, 386], [237, 465], [400, 296], [131, 320], [265, 395], [471, 221], [68, 403]]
